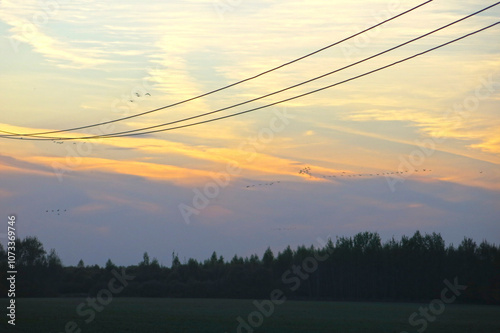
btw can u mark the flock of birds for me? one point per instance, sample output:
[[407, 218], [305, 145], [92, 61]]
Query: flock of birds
[[264, 184], [61, 142], [307, 171], [55, 211], [138, 95]]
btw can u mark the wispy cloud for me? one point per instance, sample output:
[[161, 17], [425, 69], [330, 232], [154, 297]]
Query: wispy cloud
[[32, 32]]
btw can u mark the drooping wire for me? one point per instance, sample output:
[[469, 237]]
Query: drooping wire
[[116, 134], [227, 86], [281, 101]]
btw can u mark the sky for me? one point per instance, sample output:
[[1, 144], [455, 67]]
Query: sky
[[415, 146]]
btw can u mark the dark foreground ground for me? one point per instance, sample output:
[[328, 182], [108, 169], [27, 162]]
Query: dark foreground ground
[[220, 316]]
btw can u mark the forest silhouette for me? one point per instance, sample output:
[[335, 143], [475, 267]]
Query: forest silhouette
[[358, 268]]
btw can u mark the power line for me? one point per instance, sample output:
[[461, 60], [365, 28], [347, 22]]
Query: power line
[[314, 91], [227, 86], [301, 83], [284, 100]]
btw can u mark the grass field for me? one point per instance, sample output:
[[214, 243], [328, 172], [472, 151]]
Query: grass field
[[214, 315]]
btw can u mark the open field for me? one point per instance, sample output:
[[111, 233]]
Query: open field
[[215, 315]]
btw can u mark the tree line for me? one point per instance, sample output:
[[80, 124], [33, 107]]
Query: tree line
[[358, 268]]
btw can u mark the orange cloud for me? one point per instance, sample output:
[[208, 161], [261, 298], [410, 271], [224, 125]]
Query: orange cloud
[[147, 170]]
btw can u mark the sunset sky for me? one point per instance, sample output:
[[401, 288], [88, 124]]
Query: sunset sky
[[196, 190]]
